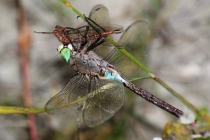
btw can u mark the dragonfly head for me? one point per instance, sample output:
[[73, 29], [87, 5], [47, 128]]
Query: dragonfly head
[[65, 52]]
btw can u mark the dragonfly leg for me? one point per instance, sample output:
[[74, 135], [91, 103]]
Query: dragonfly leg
[[96, 43], [75, 48], [94, 25], [86, 28], [67, 31], [85, 36], [86, 32]]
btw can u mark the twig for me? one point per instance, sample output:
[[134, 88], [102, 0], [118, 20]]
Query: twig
[[20, 110], [24, 42]]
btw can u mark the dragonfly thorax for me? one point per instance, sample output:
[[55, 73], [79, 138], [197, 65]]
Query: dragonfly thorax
[[89, 64]]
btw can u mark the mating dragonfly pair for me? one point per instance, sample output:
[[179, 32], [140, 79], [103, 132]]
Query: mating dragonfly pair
[[98, 87]]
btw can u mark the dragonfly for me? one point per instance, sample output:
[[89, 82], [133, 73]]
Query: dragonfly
[[86, 32], [98, 87]]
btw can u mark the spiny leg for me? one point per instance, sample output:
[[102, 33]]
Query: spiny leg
[[96, 43], [96, 25]]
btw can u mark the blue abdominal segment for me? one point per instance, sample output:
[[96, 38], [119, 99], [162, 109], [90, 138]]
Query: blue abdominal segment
[[114, 76]]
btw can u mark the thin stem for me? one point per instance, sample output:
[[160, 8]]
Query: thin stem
[[24, 41], [140, 78], [177, 95], [20, 110]]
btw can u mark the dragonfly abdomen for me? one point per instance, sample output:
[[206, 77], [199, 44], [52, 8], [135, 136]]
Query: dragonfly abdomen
[[68, 39], [90, 36], [153, 99]]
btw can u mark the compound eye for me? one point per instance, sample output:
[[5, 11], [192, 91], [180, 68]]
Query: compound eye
[[60, 48], [70, 47]]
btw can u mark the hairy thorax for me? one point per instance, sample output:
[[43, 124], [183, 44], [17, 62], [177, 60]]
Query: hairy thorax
[[89, 64]]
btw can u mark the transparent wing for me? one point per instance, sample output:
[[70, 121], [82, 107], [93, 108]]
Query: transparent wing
[[105, 98], [108, 98], [76, 88], [95, 115], [135, 41], [100, 15]]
